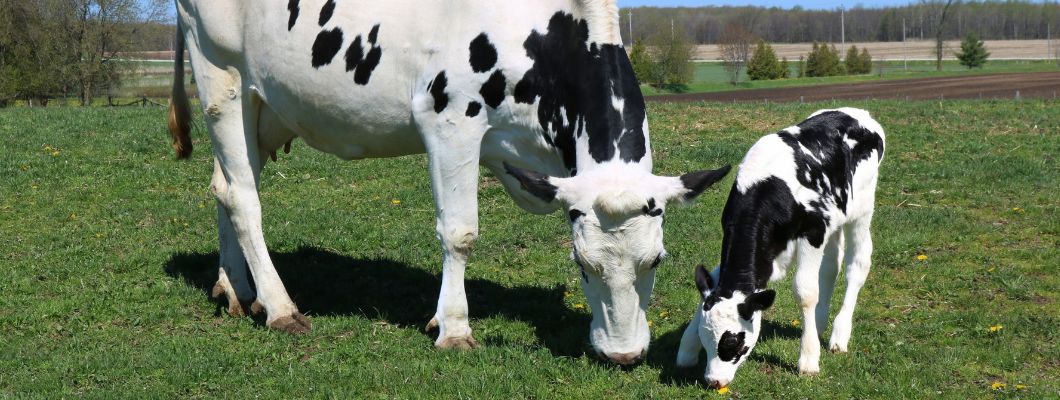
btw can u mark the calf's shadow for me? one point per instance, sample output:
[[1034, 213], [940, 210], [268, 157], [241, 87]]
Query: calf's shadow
[[324, 283]]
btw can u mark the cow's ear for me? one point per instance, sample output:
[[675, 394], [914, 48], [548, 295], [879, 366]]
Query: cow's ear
[[756, 302], [535, 183], [688, 186], [703, 281]]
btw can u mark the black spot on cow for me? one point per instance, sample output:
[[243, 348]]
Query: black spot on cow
[[360, 63], [473, 108], [824, 161], [483, 54], [326, 12], [731, 346], [325, 47], [373, 35], [574, 214], [437, 90], [493, 90], [650, 209], [292, 7], [574, 81]]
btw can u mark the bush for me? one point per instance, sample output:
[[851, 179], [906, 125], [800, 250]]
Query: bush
[[858, 63], [764, 64], [823, 60], [973, 54]]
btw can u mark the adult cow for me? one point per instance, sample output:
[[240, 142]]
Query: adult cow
[[541, 93]]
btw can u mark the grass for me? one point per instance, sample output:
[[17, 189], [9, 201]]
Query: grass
[[110, 247], [711, 76]]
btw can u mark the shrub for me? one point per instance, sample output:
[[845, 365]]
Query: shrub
[[973, 54]]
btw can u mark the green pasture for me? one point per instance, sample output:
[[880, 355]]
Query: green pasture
[[711, 76], [109, 250]]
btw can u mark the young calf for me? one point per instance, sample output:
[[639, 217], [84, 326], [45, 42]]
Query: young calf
[[800, 194]]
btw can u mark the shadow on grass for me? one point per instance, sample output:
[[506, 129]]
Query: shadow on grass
[[322, 282], [664, 352]]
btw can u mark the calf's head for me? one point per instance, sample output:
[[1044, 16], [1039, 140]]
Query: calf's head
[[616, 217], [729, 324]]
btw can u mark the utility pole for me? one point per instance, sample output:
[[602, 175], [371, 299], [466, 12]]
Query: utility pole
[[671, 29], [905, 58], [842, 25], [630, 27]]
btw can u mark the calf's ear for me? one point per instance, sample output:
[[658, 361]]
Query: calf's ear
[[756, 302], [703, 281]]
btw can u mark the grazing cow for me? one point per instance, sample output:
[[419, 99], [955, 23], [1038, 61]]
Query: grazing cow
[[800, 194], [541, 93]]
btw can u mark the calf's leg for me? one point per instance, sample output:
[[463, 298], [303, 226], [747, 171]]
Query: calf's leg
[[858, 259]]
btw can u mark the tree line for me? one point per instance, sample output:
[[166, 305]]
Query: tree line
[[59, 48], [989, 20]]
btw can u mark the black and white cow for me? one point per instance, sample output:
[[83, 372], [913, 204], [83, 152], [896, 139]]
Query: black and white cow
[[541, 93], [805, 193]]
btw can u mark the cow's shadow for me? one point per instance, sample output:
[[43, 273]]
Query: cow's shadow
[[322, 282], [664, 352]]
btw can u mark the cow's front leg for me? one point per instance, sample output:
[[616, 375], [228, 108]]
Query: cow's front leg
[[453, 140], [806, 296]]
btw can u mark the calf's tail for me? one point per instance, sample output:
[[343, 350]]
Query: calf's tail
[[179, 114]]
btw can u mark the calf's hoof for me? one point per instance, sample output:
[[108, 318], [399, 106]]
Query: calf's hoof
[[456, 343], [294, 324], [837, 349], [235, 308]]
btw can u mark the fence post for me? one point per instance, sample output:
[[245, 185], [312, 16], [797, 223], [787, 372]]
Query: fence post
[[1017, 95]]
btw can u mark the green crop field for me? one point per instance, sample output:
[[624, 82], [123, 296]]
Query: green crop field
[[109, 249], [711, 76]]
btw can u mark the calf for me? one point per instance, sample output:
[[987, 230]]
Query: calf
[[805, 193]]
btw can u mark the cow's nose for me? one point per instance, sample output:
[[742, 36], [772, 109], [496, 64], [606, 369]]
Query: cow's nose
[[626, 358], [717, 384]]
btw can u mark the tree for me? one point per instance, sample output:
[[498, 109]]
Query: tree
[[642, 63], [669, 54], [973, 54], [800, 68], [735, 45], [823, 60], [852, 62], [865, 60], [785, 69], [764, 64], [940, 26]]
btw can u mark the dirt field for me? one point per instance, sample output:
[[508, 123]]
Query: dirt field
[[910, 50], [1000, 86]]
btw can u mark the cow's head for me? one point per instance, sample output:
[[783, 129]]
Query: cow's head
[[728, 327], [616, 217]]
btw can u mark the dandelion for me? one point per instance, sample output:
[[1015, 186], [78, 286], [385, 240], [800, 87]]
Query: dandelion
[[794, 322], [395, 202], [55, 153], [99, 236], [1021, 387], [921, 257], [1017, 209], [997, 328], [650, 323], [579, 306], [991, 269], [997, 385], [567, 293], [664, 315], [723, 390]]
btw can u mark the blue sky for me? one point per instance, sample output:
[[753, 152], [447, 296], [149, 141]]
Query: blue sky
[[808, 4]]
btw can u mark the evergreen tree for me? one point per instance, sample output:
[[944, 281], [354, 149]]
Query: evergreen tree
[[973, 54], [764, 64], [800, 68], [813, 61], [785, 69], [865, 61], [643, 66], [852, 62]]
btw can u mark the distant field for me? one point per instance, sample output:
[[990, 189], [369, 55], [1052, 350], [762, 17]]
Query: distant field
[[110, 248], [711, 76], [911, 49]]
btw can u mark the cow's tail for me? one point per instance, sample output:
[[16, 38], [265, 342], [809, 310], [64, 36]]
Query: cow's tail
[[179, 109]]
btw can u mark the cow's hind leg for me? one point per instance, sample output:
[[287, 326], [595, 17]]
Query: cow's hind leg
[[857, 259], [827, 279], [233, 285], [453, 141], [231, 115]]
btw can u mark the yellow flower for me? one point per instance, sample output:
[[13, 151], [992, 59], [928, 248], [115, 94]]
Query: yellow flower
[[395, 202], [921, 257], [567, 293], [649, 323], [794, 322], [1017, 209], [579, 306], [99, 235], [991, 269], [664, 315], [1020, 387], [997, 385], [996, 328], [73, 215], [55, 153], [723, 390]]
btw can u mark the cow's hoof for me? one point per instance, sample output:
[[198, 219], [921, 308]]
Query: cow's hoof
[[431, 325], [837, 349], [256, 308], [217, 291], [294, 324], [457, 343]]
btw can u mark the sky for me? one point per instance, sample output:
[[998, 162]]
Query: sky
[[807, 4]]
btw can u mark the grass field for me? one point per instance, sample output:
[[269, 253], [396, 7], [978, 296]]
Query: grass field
[[711, 76], [110, 248]]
